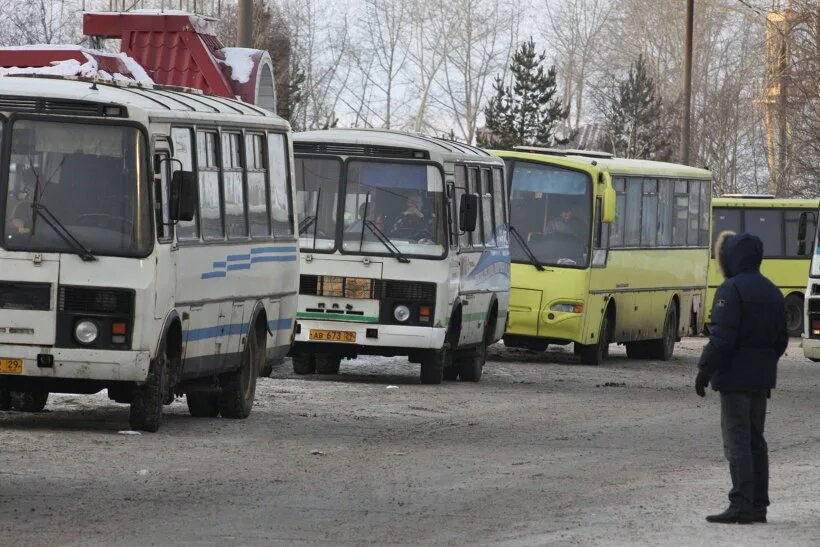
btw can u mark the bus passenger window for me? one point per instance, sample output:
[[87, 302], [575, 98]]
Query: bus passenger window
[[461, 189], [694, 215], [632, 231], [791, 220], [477, 236], [616, 234], [705, 211], [767, 224], [258, 215], [499, 204], [681, 224], [280, 197], [487, 208], [161, 196], [233, 190], [724, 219], [649, 214], [210, 207], [184, 153], [666, 202]]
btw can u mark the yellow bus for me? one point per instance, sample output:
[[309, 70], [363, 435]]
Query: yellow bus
[[775, 222], [605, 250]]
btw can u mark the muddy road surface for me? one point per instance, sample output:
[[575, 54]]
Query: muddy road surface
[[544, 451]]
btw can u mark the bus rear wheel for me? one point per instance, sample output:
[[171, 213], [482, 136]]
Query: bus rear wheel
[[327, 363], [794, 315], [303, 363], [239, 386], [29, 401], [663, 348], [595, 354]]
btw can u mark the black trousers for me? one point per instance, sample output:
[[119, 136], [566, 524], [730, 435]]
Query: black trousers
[[742, 417]]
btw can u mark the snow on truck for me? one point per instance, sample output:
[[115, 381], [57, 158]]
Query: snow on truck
[[148, 234]]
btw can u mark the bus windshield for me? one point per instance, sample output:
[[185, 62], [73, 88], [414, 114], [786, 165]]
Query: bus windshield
[[551, 208], [393, 204], [82, 179], [317, 195]]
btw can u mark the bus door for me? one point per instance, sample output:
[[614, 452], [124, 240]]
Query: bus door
[[164, 277]]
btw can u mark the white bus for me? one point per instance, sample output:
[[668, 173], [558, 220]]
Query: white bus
[[148, 246], [811, 310], [404, 252]]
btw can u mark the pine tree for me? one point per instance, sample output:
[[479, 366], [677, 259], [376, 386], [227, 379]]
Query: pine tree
[[527, 111], [638, 124]]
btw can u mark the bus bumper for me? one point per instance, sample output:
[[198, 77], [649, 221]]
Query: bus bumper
[[79, 364], [811, 348], [394, 336]]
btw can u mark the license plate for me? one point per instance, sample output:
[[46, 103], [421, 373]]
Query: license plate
[[11, 366], [332, 335]]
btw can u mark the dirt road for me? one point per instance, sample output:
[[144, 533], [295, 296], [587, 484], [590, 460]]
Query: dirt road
[[543, 451]]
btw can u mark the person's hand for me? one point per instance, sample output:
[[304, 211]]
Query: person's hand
[[701, 381]]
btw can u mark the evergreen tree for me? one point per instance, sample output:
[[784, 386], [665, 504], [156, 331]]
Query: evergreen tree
[[527, 111], [638, 124]]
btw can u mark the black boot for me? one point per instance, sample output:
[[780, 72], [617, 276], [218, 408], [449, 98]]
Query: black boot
[[732, 516]]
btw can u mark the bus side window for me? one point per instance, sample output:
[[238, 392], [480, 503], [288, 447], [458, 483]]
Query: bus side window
[[681, 214], [461, 189], [210, 199], [601, 236], [280, 188], [649, 214], [616, 236], [767, 224], [184, 153], [487, 208], [477, 236], [233, 189], [499, 204], [665, 211], [161, 196], [705, 211], [632, 224], [694, 215], [723, 219], [791, 220], [258, 214]]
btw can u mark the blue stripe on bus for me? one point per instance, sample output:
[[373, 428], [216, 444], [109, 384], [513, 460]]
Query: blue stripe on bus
[[291, 258], [237, 258], [211, 275], [260, 250], [195, 335], [232, 267], [219, 264]]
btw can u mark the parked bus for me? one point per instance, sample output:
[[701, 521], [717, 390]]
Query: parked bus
[[775, 222], [811, 321], [148, 246], [605, 250], [404, 252]]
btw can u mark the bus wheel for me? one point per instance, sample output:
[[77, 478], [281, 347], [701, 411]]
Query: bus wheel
[[203, 404], [595, 354], [471, 365], [434, 363], [239, 386], [148, 399], [663, 348], [304, 363], [29, 401], [327, 363], [5, 400], [794, 315]]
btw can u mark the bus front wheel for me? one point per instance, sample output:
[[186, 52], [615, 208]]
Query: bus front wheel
[[149, 398], [327, 363], [434, 363], [595, 354], [794, 315], [29, 401]]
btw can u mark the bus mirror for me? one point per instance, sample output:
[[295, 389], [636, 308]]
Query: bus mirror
[[183, 196], [609, 200], [468, 212]]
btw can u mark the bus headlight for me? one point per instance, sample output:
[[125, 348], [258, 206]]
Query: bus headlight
[[401, 313], [86, 332], [567, 308]]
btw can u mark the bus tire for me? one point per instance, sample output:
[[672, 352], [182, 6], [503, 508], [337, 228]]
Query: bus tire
[[327, 363], [595, 354], [149, 398], [794, 315], [471, 365], [29, 401], [663, 348], [303, 363], [239, 386], [434, 363], [5, 399], [203, 404]]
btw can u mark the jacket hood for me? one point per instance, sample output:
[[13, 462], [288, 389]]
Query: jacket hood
[[737, 253]]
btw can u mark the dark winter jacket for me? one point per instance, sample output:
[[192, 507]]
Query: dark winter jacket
[[748, 331]]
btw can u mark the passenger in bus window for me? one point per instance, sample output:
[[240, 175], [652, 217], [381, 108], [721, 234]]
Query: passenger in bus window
[[21, 217], [413, 224], [566, 223]]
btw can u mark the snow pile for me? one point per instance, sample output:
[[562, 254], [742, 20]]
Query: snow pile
[[89, 69], [240, 61]]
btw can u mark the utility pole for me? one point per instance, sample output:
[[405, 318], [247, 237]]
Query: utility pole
[[244, 23], [687, 84]]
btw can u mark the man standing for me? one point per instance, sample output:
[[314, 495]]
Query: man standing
[[747, 337]]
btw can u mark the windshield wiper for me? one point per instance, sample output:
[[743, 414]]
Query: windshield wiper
[[394, 251], [533, 260], [38, 209]]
